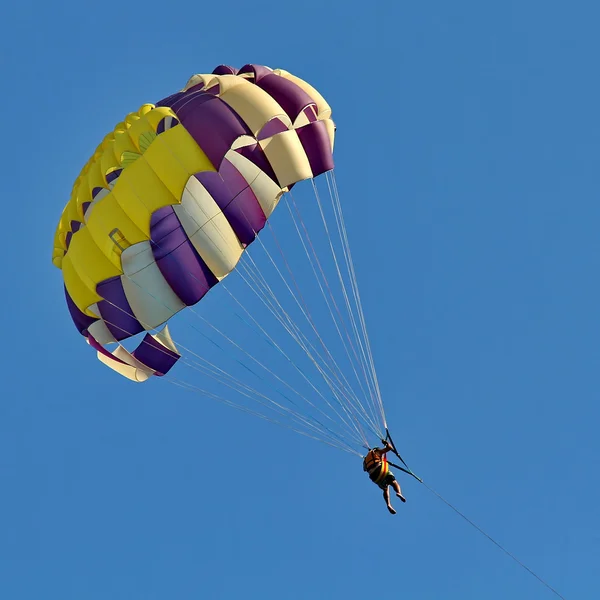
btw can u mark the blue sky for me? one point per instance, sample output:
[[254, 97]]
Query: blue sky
[[466, 156]]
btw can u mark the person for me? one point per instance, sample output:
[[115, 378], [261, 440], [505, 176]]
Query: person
[[376, 465]]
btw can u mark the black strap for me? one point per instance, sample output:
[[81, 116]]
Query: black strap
[[406, 470]]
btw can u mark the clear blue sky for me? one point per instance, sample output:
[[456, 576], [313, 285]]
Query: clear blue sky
[[467, 156]]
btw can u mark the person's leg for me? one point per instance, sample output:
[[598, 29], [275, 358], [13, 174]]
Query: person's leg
[[398, 490], [386, 497]]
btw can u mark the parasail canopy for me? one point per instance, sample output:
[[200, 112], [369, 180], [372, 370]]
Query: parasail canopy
[[170, 200]]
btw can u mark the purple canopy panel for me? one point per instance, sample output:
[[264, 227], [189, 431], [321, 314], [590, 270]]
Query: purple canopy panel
[[170, 100], [75, 227], [81, 320], [272, 127], [255, 154], [311, 113], [317, 145], [195, 88], [198, 97], [179, 262], [225, 70], [113, 176], [291, 97], [236, 199], [162, 223], [213, 90], [244, 200], [155, 356], [213, 125], [257, 70], [115, 309], [234, 179]]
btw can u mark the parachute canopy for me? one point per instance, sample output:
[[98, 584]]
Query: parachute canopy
[[170, 200]]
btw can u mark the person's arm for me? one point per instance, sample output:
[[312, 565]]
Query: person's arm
[[386, 448]]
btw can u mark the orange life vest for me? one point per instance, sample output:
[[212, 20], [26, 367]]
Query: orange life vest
[[372, 461], [376, 466]]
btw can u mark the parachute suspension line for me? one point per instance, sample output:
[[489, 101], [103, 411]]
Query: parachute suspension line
[[270, 300], [276, 346], [243, 350], [307, 314], [222, 376], [350, 265], [237, 346], [330, 438], [335, 198], [297, 335], [245, 390], [364, 360], [298, 416], [245, 409], [332, 365], [355, 293], [293, 331], [371, 418], [340, 386], [336, 374], [356, 440]]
